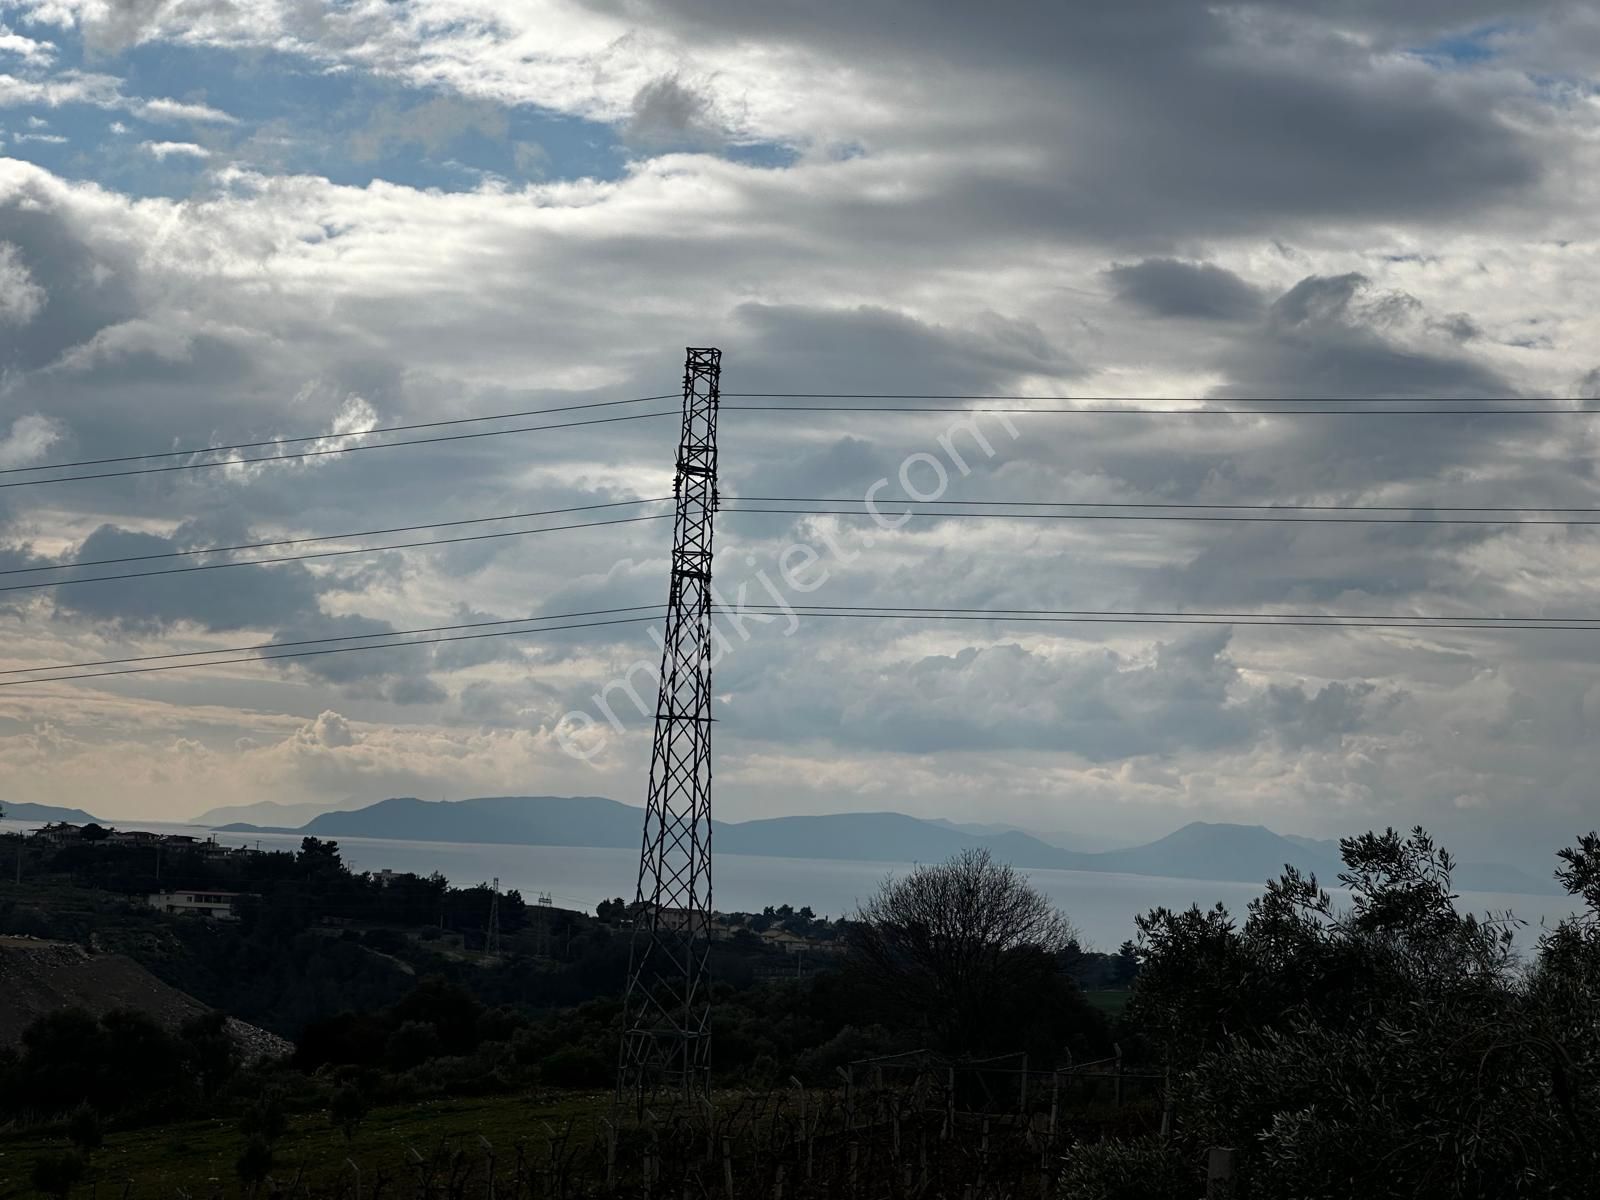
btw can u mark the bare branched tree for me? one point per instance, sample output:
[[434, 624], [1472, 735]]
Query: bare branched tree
[[951, 943]]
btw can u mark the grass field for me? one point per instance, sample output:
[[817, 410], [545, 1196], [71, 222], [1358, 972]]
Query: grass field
[[1110, 1001], [192, 1154]]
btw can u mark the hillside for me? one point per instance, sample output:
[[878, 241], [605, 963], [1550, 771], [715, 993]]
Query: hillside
[[263, 812], [1200, 850], [528, 820], [39, 977], [47, 812]]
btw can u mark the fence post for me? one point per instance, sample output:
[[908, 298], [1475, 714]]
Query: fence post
[[805, 1129], [1221, 1162], [488, 1153], [611, 1153], [1055, 1101], [849, 1096], [1116, 1093], [1166, 1103], [1022, 1102]]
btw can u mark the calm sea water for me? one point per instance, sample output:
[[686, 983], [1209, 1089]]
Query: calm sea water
[[1102, 905]]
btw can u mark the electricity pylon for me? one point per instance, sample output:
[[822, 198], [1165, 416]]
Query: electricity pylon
[[491, 941], [667, 1010]]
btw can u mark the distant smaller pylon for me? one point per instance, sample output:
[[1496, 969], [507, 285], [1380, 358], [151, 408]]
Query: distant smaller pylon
[[491, 943]]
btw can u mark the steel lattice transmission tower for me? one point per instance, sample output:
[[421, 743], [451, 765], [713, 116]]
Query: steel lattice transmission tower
[[491, 938], [667, 1011]]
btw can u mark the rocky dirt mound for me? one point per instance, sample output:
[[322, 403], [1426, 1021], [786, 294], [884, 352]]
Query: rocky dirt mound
[[39, 977]]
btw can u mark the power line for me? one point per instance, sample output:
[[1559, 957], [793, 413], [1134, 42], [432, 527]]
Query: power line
[[328, 537], [272, 458], [319, 641], [464, 637], [1163, 399], [1111, 617], [287, 558], [880, 612], [1181, 517], [322, 437], [1160, 504], [1001, 613], [1180, 412]]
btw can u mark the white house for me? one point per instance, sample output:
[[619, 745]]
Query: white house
[[217, 905]]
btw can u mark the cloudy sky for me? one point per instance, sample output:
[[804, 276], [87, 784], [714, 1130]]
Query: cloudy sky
[[231, 220]]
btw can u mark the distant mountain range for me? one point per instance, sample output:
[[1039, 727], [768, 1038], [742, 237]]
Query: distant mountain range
[[267, 812], [1245, 853], [47, 812]]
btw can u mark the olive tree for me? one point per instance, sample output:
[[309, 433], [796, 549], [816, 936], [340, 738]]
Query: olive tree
[[954, 948]]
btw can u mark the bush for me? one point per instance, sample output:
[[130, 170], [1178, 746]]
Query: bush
[[347, 1108], [411, 1045], [254, 1161], [54, 1174], [576, 1066], [265, 1118], [83, 1129], [1146, 1168], [385, 941]]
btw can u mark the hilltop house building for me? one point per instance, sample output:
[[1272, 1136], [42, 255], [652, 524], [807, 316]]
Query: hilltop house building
[[216, 905]]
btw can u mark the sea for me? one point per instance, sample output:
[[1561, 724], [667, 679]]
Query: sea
[[1102, 905]]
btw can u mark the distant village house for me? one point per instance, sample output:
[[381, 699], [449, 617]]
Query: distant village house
[[216, 905]]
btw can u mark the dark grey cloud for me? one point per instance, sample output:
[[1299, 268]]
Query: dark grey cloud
[[82, 289], [235, 598], [1161, 122], [1170, 287], [870, 348], [1320, 717], [1330, 336], [669, 113], [1095, 704]]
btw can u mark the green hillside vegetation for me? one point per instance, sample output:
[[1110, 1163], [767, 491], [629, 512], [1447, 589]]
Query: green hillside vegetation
[[1401, 1024]]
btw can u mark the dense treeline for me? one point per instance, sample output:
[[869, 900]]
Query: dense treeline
[[1396, 1047], [1389, 1044]]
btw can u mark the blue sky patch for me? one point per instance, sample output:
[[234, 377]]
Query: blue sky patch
[[290, 115]]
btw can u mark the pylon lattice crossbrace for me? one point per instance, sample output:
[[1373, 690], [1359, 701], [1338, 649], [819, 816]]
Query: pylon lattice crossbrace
[[667, 1010]]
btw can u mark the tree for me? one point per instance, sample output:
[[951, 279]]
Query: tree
[[254, 1162], [264, 1120], [951, 946], [347, 1108], [1391, 1048], [83, 1130], [54, 1174]]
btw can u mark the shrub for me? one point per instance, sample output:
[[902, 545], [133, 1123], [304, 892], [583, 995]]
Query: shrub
[[347, 1108], [83, 1129], [54, 1174], [576, 1066], [1146, 1168]]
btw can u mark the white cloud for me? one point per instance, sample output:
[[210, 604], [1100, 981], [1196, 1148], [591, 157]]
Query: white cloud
[[20, 297], [29, 438], [101, 91], [166, 150], [174, 110], [33, 52]]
